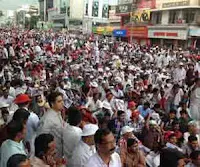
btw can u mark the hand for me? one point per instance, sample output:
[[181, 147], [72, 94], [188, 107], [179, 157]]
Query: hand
[[49, 160]]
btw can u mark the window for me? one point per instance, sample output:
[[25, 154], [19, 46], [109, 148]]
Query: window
[[173, 16], [105, 11], [156, 17], [95, 9], [63, 6], [189, 15], [86, 9]]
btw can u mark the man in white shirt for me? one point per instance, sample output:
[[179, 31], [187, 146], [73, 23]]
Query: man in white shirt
[[72, 133], [179, 74], [85, 149], [106, 155]]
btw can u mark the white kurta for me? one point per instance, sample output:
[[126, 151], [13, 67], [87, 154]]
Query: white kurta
[[96, 161], [195, 104], [81, 155], [71, 137]]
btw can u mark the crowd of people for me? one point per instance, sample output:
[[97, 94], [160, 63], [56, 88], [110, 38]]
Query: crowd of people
[[79, 100]]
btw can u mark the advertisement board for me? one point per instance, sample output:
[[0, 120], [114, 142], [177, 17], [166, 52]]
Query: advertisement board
[[140, 16], [168, 34], [119, 33], [123, 9], [149, 4]]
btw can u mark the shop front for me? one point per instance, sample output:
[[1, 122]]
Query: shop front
[[171, 37], [194, 38], [138, 34], [106, 30], [120, 34]]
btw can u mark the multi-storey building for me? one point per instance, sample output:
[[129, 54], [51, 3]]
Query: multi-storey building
[[62, 13], [99, 16], [175, 23]]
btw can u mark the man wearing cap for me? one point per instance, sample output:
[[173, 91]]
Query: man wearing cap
[[23, 101], [85, 148]]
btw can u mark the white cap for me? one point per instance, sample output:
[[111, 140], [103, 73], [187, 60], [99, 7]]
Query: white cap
[[107, 69], [106, 105], [3, 104], [94, 84], [100, 69], [152, 122], [126, 129], [89, 129], [118, 80], [181, 64]]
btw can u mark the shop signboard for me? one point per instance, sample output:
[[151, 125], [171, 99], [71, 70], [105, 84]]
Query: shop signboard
[[176, 4], [138, 32], [124, 9], [194, 32], [119, 33], [168, 34]]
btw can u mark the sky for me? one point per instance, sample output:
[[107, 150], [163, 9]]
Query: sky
[[14, 4]]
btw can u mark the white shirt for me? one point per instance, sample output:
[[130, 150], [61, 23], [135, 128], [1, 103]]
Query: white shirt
[[81, 155], [96, 161], [71, 137], [53, 123]]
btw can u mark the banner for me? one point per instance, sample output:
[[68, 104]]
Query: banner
[[140, 16], [150, 4]]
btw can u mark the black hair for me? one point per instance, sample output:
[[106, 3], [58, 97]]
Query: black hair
[[120, 112], [173, 111], [147, 104], [172, 135], [170, 157], [16, 159], [183, 112], [195, 154], [74, 116], [175, 123], [13, 128], [100, 133], [131, 141], [21, 115], [41, 144], [192, 138], [52, 97]]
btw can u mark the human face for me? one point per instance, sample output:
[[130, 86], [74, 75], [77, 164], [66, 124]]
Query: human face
[[194, 144], [107, 147], [176, 127], [128, 135], [181, 163], [90, 140], [52, 149], [25, 164], [122, 117], [134, 148], [173, 140], [58, 104]]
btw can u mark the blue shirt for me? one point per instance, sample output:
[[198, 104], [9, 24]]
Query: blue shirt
[[144, 112], [9, 148]]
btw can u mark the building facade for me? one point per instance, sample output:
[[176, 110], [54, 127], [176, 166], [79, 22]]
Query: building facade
[[100, 16], [135, 18], [175, 23], [62, 13]]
